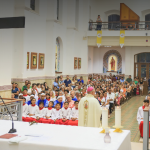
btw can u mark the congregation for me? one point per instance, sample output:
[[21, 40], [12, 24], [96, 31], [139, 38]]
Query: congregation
[[59, 104]]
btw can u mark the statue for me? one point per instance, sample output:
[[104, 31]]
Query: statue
[[112, 62]]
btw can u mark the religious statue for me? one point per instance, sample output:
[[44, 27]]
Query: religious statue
[[112, 62]]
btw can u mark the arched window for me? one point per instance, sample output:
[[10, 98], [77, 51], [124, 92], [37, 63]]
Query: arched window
[[147, 18], [113, 18]]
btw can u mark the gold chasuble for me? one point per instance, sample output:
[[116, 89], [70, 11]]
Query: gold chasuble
[[89, 112]]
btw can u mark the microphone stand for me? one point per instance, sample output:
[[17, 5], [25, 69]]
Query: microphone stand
[[11, 130]]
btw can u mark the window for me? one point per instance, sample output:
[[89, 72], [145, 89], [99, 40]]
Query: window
[[57, 9], [114, 18], [32, 4], [142, 58], [147, 18], [77, 14]]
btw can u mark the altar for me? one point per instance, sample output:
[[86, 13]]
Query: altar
[[61, 137], [111, 72]]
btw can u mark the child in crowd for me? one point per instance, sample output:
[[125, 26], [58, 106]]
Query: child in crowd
[[25, 109], [39, 96], [39, 88], [48, 96], [48, 113], [25, 95], [74, 115], [32, 109], [41, 112], [31, 97], [56, 114], [65, 114]]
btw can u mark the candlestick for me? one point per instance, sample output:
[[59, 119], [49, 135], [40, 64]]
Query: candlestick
[[118, 119], [104, 119]]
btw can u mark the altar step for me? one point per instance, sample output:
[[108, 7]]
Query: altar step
[[137, 146], [141, 140]]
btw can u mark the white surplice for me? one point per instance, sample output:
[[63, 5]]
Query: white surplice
[[74, 113], [140, 115], [25, 110], [65, 113]]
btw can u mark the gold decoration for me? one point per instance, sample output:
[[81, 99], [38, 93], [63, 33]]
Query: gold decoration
[[86, 105], [118, 130]]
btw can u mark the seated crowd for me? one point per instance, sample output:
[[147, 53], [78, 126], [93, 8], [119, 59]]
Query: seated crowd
[[59, 104]]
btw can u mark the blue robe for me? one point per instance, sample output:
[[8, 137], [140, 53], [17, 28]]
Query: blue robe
[[45, 102], [55, 102], [74, 99]]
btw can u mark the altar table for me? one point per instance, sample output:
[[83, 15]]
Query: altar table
[[61, 137]]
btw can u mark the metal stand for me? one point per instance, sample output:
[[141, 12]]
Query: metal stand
[[146, 129]]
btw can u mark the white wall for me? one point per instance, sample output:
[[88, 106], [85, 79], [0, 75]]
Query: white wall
[[40, 33], [129, 58], [6, 44], [96, 65]]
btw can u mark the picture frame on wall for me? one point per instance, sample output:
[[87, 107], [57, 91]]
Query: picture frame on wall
[[28, 60], [41, 61], [79, 63], [33, 60], [75, 62]]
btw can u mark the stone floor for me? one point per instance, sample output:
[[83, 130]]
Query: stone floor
[[129, 114]]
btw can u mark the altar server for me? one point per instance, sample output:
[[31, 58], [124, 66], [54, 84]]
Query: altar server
[[105, 103], [25, 95], [48, 115], [24, 109], [43, 100], [31, 111], [65, 114], [140, 116], [74, 115], [40, 113], [56, 114], [140, 111]]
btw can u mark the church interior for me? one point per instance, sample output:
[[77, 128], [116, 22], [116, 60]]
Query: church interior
[[60, 51]]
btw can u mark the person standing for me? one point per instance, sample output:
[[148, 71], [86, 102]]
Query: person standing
[[15, 90], [149, 84], [67, 81], [99, 22], [89, 110]]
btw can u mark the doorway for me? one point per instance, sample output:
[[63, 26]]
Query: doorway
[[142, 69]]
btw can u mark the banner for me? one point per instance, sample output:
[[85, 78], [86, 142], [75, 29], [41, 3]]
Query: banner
[[122, 35], [99, 38]]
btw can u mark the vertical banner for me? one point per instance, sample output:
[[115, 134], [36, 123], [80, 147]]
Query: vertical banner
[[99, 38], [122, 36]]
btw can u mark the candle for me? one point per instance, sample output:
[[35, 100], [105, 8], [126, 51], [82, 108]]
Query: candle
[[117, 116], [104, 117]]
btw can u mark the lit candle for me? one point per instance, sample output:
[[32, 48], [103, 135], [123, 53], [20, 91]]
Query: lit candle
[[104, 117], [117, 116]]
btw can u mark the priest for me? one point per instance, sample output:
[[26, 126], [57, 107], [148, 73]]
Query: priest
[[89, 110]]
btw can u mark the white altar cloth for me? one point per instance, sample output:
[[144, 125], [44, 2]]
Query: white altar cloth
[[60, 137]]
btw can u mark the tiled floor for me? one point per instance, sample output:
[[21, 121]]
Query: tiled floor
[[129, 114]]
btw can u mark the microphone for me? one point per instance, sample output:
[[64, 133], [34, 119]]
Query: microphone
[[11, 130]]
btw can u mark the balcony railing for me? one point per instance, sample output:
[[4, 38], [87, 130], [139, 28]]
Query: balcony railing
[[120, 25]]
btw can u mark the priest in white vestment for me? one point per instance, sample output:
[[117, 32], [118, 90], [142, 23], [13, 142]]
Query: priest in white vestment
[[89, 110]]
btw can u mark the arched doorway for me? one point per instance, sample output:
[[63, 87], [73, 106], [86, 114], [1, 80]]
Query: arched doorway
[[142, 68], [107, 58], [147, 18], [59, 55], [113, 18]]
